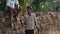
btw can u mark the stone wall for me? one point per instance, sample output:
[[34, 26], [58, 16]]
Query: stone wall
[[49, 23]]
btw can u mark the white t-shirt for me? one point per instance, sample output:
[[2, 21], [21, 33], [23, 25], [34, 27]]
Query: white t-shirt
[[29, 20], [11, 3]]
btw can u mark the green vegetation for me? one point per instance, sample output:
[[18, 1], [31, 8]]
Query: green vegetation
[[37, 5], [2, 4]]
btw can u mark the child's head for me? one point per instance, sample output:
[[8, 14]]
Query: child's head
[[29, 9]]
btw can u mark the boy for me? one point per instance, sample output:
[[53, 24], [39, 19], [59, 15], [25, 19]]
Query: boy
[[30, 21]]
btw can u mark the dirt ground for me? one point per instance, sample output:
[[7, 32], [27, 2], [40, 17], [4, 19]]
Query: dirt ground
[[49, 23]]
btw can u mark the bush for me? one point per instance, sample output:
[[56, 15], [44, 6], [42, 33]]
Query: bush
[[2, 4]]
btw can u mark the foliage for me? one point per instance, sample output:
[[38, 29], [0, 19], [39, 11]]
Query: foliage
[[2, 4], [45, 5], [37, 5]]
